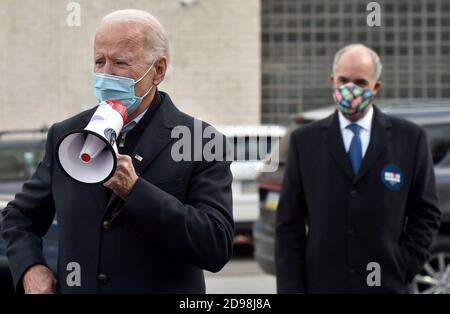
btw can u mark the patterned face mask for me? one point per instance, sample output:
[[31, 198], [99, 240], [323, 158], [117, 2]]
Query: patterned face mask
[[352, 99]]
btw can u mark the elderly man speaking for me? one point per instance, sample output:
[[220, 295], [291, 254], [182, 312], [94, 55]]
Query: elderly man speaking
[[174, 218]]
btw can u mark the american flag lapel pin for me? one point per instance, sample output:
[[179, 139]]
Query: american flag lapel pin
[[138, 157]]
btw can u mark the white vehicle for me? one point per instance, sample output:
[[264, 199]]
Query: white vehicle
[[251, 145]]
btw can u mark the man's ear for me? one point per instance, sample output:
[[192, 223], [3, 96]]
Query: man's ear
[[376, 87], [161, 68]]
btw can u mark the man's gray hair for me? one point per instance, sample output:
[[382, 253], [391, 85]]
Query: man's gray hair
[[377, 66], [157, 37]]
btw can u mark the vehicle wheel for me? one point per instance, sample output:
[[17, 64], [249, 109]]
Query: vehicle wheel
[[435, 275]]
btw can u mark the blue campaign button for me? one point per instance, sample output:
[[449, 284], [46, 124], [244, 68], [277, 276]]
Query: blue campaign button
[[392, 177]]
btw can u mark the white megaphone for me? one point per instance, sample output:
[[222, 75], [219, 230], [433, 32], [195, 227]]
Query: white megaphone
[[89, 155]]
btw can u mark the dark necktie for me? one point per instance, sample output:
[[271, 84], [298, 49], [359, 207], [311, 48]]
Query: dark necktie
[[355, 151]]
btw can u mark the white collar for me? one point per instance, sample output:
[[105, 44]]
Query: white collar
[[365, 122], [138, 118]]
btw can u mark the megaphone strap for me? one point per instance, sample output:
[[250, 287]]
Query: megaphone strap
[[124, 132]]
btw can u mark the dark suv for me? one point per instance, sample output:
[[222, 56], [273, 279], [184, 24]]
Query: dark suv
[[434, 117], [20, 153]]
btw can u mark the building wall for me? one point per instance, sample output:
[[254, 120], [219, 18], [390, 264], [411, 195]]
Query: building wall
[[46, 66]]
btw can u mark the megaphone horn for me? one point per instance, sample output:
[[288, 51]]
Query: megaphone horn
[[89, 155]]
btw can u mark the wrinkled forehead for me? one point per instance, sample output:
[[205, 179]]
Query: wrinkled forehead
[[126, 37]]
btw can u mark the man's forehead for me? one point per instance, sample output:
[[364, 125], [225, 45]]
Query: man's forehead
[[127, 43], [119, 34], [357, 63]]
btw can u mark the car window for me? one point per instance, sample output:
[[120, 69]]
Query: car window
[[252, 148], [18, 164], [438, 136]]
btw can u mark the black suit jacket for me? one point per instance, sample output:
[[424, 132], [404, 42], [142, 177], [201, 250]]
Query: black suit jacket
[[176, 222], [332, 224]]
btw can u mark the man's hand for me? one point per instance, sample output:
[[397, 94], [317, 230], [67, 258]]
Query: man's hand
[[38, 279], [125, 177]]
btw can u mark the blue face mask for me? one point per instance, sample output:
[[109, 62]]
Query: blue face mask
[[112, 87]]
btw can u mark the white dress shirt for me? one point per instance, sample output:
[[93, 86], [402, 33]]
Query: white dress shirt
[[128, 127], [131, 124], [366, 125]]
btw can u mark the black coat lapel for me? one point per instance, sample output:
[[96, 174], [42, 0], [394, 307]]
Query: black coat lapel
[[156, 136], [379, 136], [331, 131]]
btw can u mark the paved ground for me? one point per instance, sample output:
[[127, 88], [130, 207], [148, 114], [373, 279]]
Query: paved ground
[[241, 275]]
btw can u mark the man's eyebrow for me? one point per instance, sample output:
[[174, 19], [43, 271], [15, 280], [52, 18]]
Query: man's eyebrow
[[121, 59], [126, 58], [361, 80]]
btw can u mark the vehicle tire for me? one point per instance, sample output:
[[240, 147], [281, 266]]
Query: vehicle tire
[[434, 277]]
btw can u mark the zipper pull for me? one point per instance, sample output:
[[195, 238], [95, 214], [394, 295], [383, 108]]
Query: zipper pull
[[125, 130], [122, 140]]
